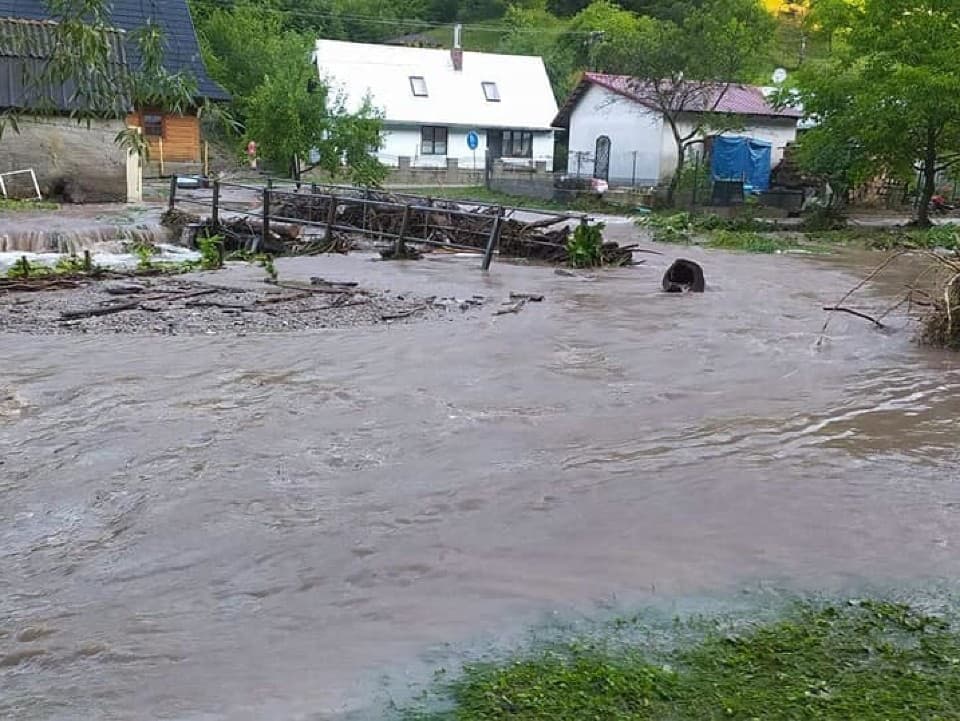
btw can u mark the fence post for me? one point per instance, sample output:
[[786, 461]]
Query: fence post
[[696, 179], [266, 217], [400, 250], [173, 192], [270, 183], [215, 204], [331, 219], [633, 183], [493, 240]]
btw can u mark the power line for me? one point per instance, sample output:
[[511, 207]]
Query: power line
[[401, 23]]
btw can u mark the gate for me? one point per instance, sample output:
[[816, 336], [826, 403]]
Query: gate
[[601, 166]]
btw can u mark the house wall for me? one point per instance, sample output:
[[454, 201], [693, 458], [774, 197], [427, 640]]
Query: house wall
[[776, 131], [403, 141], [60, 149], [634, 132], [642, 148], [181, 138]]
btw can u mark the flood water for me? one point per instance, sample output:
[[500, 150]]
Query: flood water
[[266, 527]]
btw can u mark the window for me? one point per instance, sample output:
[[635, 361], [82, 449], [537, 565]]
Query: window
[[517, 144], [491, 92], [418, 86], [152, 123], [433, 141]]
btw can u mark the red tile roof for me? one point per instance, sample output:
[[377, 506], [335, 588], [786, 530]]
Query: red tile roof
[[737, 100]]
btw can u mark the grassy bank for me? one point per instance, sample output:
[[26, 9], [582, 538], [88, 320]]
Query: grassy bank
[[867, 660], [11, 205], [759, 236]]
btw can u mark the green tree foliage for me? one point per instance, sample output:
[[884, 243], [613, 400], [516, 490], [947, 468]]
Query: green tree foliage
[[684, 70], [533, 30], [888, 99], [281, 101]]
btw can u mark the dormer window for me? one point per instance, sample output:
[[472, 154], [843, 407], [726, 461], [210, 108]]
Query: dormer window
[[491, 92], [418, 86]]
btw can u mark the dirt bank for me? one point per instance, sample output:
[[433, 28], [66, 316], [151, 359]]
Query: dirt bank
[[228, 302]]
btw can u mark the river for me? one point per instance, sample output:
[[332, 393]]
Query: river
[[268, 527]]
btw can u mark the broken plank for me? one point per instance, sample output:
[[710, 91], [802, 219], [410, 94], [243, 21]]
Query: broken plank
[[403, 314], [101, 310], [308, 288]]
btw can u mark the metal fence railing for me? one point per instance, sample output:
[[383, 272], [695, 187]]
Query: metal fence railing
[[398, 217]]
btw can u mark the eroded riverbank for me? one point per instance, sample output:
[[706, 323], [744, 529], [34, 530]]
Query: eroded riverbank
[[258, 527]]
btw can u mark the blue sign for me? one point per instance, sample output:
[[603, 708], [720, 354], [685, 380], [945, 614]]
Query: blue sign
[[473, 140]]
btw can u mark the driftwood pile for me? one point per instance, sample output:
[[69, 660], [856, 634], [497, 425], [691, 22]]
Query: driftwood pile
[[385, 217], [441, 222]]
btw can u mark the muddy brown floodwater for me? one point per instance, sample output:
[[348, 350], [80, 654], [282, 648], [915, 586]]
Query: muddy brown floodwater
[[262, 527]]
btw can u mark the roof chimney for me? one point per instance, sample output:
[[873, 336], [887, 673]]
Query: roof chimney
[[456, 53]]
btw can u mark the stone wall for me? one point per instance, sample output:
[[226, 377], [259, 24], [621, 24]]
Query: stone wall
[[452, 174], [69, 158], [533, 182]]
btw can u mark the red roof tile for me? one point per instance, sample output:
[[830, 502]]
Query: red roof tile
[[737, 100]]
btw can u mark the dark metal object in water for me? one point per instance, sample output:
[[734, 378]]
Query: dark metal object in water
[[684, 275]]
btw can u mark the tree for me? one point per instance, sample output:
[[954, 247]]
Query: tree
[[293, 119], [536, 31], [280, 99], [683, 71], [890, 90]]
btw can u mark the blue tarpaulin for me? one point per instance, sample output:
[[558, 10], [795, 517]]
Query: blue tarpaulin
[[740, 158]]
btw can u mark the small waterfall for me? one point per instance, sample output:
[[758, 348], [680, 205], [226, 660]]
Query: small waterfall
[[103, 239]]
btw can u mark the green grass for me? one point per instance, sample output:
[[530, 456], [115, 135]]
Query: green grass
[[711, 231], [867, 660], [750, 242], [945, 237], [12, 205]]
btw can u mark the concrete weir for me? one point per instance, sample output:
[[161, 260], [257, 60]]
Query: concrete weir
[[59, 240]]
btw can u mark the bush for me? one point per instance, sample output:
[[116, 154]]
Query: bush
[[585, 248]]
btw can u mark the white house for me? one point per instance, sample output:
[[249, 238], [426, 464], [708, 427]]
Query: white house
[[433, 98], [613, 135]]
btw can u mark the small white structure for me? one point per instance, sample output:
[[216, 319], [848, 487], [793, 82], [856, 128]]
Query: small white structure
[[613, 135], [432, 99]]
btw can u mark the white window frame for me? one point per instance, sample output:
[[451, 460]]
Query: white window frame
[[490, 91], [422, 86]]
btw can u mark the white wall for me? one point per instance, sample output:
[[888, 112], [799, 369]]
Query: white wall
[[776, 131], [405, 141], [634, 129], [634, 132]]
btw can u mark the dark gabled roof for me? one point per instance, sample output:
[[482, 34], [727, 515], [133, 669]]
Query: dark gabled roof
[[25, 48], [181, 49]]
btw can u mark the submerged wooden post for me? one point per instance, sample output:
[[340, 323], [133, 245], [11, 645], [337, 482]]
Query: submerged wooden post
[[173, 193], [331, 219], [265, 231], [400, 250], [87, 261], [215, 204], [493, 240]]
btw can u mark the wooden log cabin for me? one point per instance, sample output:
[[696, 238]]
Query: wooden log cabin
[[174, 140]]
